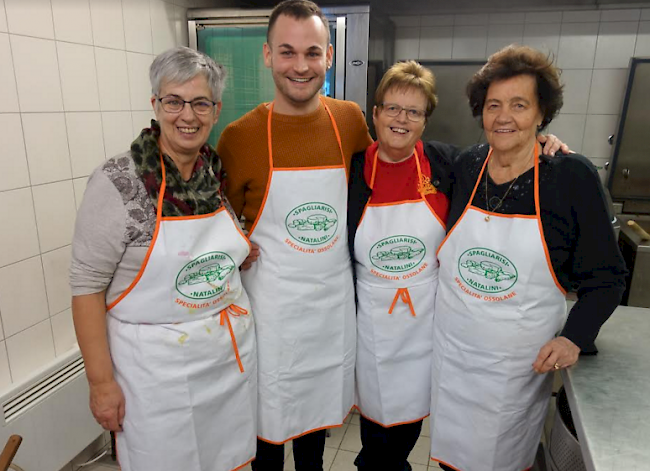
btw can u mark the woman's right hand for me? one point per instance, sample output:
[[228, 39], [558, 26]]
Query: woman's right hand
[[107, 405], [252, 257]]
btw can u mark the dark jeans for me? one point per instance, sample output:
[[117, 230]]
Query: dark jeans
[[307, 453], [386, 449]]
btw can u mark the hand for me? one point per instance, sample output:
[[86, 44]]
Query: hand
[[252, 257], [552, 144], [560, 351], [107, 405]]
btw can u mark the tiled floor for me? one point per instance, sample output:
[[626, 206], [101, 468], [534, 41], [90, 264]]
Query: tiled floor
[[341, 449]]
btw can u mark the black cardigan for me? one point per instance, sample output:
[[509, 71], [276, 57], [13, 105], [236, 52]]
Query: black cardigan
[[577, 228]]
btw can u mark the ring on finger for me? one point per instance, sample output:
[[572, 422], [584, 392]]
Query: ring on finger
[[556, 366]]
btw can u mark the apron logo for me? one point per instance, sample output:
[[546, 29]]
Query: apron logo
[[486, 270], [203, 277], [397, 253], [312, 223]]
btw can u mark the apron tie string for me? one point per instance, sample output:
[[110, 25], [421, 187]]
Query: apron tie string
[[403, 294], [235, 311]]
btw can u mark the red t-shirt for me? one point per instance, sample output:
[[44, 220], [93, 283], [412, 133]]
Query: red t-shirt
[[399, 181]]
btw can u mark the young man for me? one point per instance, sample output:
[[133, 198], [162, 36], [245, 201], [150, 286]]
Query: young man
[[287, 163]]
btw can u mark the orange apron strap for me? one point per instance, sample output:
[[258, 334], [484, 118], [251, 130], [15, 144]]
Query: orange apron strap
[[403, 294], [332, 120], [225, 314]]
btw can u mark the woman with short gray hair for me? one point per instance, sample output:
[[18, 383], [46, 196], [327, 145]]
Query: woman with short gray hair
[[163, 322]]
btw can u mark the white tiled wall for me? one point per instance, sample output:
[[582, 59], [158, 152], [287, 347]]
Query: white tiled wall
[[593, 48], [74, 90]]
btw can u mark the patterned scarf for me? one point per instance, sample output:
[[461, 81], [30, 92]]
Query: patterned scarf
[[200, 195]]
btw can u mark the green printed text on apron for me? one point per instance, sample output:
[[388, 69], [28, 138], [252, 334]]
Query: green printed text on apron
[[312, 223], [203, 277], [486, 270], [397, 253]]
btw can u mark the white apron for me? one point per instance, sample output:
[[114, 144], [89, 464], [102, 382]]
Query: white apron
[[498, 303], [397, 274], [183, 346], [302, 293]]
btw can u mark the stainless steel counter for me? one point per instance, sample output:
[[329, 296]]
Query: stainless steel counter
[[609, 395]]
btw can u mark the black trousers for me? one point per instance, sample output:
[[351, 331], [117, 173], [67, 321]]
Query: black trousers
[[307, 454], [445, 467], [386, 449]]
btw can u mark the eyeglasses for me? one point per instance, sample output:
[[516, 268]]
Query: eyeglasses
[[393, 110], [174, 104]]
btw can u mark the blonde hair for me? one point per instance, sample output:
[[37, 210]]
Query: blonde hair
[[409, 74]]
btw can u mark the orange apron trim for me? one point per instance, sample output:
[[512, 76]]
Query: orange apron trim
[[273, 169], [422, 189], [389, 425], [403, 294], [235, 311]]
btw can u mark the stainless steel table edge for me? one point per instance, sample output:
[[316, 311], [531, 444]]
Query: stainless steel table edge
[[577, 421]]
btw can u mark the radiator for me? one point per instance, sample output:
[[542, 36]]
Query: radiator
[[50, 411]]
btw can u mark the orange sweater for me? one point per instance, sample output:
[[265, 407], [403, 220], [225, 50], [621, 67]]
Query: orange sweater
[[298, 141]]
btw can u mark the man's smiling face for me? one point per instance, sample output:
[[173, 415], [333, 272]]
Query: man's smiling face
[[298, 55]]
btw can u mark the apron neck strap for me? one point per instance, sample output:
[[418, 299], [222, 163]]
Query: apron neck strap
[[374, 169], [332, 120], [163, 187], [485, 169]]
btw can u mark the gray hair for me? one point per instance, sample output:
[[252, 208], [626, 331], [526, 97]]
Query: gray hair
[[180, 64]]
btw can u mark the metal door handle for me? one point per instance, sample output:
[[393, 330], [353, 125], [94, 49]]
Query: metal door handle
[[626, 173]]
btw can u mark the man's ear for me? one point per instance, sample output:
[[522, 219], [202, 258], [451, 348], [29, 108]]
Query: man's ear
[[266, 50]]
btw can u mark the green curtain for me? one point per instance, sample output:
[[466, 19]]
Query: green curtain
[[249, 82]]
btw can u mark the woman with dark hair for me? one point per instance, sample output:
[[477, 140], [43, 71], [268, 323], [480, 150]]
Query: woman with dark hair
[[523, 230]]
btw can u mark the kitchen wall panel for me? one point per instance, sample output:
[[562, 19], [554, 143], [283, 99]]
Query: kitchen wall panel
[[543, 36], [72, 21], [48, 152], [30, 349], [18, 237], [3, 17], [63, 332], [78, 77], [14, 172], [55, 214], [22, 295], [55, 266], [642, 48], [74, 90], [86, 142], [470, 42], [5, 375], [108, 23], [31, 18], [37, 74], [593, 47], [137, 26], [8, 92]]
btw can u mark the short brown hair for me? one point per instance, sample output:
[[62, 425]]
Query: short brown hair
[[512, 61], [298, 9], [409, 74]]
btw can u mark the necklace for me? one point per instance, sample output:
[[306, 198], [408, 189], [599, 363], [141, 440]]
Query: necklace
[[495, 202]]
